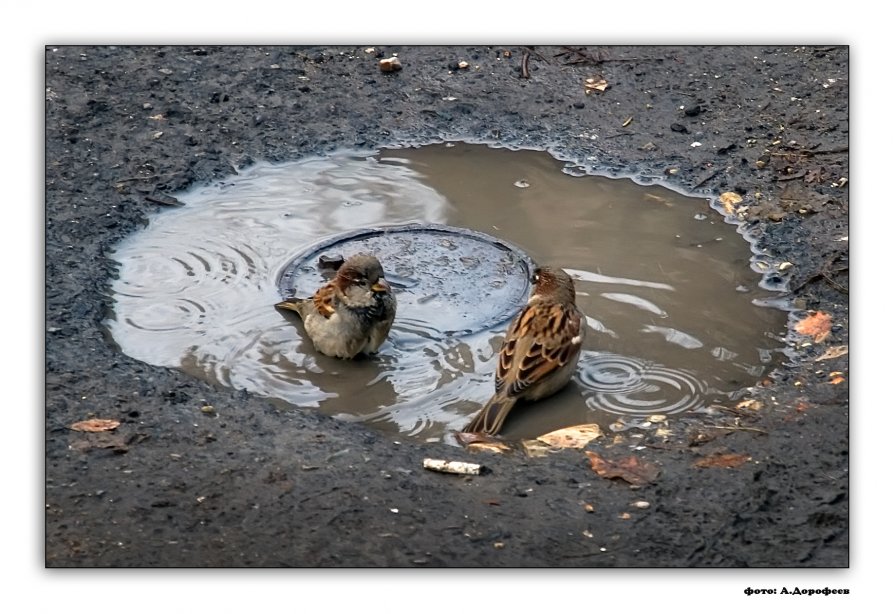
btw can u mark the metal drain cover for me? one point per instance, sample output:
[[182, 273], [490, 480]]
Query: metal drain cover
[[448, 281]]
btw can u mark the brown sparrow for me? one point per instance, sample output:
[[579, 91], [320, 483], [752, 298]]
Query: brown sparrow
[[540, 351], [352, 313]]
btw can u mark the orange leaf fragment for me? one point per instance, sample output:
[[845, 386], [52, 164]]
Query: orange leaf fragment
[[95, 425], [722, 460], [816, 325], [630, 469], [729, 200]]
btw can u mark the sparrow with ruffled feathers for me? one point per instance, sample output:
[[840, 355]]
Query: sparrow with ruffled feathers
[[540, 352], [352, 313]]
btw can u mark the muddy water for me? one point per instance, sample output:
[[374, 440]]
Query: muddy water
[[673, 307]]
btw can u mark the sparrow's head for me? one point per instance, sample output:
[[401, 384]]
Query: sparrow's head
[[363, 271], [552, 284]]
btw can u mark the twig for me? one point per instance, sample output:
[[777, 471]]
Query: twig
[[137, 179], [704, 179], [810, 152], [582, 556], [147, 178], [586, 57], [525, 58], [842, 289], [824, 274], [168, 201], [798, 175], [738, 428]]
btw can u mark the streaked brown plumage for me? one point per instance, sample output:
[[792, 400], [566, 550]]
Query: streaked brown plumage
[[540, 351], [352, 313]]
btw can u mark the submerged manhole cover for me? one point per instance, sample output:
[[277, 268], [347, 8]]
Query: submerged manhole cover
[[451, 281]]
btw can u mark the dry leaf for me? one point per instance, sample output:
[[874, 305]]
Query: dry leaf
[[95, 425], [751, 404], [729, 200], [629, 469], [722, 460], [572, 437], [535, 448], [833, 352], [816, 325], [591, 84], [481, 441]]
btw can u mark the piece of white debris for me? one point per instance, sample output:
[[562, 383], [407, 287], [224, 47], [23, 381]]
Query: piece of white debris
[[457, 467]]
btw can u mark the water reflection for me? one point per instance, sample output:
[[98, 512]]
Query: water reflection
[[674, 308]]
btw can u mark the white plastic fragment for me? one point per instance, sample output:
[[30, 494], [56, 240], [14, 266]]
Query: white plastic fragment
[[456, 467]]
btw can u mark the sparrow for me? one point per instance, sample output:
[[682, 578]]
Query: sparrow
[[540, 351], [352, 313]]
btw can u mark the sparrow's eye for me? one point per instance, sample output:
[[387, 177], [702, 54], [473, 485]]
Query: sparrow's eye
[[536, 276]]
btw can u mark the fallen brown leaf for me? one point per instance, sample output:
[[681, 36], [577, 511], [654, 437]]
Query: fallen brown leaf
[[630, 469], [572, 437], [816, 325], [833, 352], [489, 447], [592, 83], [481, 441], [722, 460], [536, 449], [95, 425]]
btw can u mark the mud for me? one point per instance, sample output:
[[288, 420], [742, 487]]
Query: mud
[[204, 476]]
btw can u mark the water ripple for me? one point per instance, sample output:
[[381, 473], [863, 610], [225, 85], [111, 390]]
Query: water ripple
[[629, 386]]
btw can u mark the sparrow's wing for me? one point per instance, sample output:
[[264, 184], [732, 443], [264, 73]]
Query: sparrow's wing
[[541, 340], [324, 300]]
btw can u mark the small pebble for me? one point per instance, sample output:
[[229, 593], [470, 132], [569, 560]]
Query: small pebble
[[390, 65]]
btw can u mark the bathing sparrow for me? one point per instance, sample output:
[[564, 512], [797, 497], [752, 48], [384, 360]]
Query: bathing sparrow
[[352, 313]]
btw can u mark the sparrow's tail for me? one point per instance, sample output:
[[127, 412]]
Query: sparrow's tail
[[491, 417], [290, 303]]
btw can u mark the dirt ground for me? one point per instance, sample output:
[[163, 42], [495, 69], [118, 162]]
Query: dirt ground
[[253, 486]]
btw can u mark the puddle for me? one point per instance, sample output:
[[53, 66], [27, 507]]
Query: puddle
[[675, 311]]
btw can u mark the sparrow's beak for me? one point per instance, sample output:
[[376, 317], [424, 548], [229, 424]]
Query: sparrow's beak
[[381, 286]]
